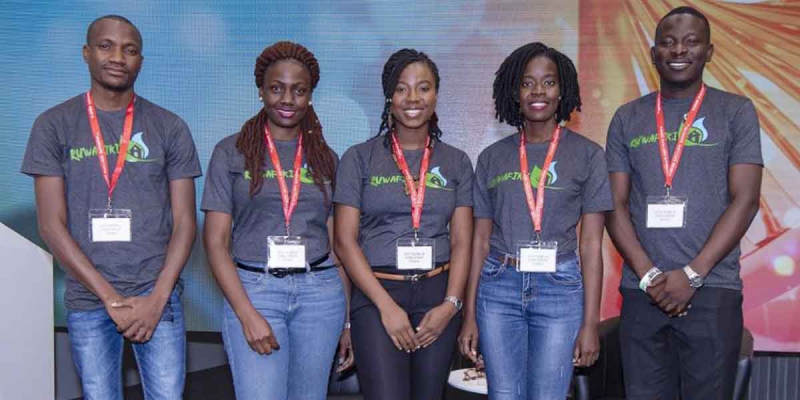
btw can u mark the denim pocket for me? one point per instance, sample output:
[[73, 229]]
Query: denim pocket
[[492, 268], [327, 277], [567, 273], [249, 277]]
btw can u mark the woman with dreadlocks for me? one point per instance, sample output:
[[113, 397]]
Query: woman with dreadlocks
[[268, 226], [403, 222], [536, 302]]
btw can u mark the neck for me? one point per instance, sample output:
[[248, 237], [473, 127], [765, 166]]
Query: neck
[[540, 131], [412, 139], [678, 91], [281, 133], [110, 100]]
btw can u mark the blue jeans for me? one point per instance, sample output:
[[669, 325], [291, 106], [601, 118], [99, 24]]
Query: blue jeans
[[528, 324], [306, 313], [97, 351]]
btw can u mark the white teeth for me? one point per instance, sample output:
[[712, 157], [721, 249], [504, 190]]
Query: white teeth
[[412, 112], [678, 65], [286, 114], [538, 105]]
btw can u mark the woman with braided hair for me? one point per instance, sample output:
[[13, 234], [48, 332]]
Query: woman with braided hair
[[268, 199], [534, 289], [403, 223]]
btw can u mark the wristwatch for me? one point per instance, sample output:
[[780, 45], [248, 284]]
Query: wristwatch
[[457, 303], [695, 280]]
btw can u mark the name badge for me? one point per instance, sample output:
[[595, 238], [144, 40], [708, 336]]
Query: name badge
[[286, 252], [536, 256], [110, 225], [415, 253], [666, 212]]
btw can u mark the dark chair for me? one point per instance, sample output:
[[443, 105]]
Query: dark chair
[[604, 379]]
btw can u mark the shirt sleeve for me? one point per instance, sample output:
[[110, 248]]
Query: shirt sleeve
[[349, 179], [181, 156], [596, 191], [746, 132], [465, 181], [218, 188], [617, 157], [43, 154], [482, 201]]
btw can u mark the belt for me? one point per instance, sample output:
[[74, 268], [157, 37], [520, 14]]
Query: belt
[[413, 277], [283, 272], [505, 259]]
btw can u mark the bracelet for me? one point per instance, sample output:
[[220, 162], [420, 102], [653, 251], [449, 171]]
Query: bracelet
[[651, 274], [347, 325]]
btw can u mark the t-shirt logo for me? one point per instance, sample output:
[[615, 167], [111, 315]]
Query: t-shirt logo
[[137, 150], [536, 172], [698, 136], [305, 175], [434, 179]]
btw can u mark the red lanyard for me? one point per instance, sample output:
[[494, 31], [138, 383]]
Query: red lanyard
[[289, 205], [536, 208], [671, 167], [417, 195], [100, 144]]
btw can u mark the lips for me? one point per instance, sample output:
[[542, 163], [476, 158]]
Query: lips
[[286, 113], [678, 65], [116, 71], [537, 105], [413, 112]]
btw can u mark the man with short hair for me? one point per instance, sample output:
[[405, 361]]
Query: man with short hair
[[685, 169], [114, 182]]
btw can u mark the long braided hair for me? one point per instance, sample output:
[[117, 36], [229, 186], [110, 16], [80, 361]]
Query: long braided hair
[[251, 143], [509, 78], [392, 70]]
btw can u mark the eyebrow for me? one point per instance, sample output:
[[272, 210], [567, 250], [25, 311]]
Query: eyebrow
[[418, 83]]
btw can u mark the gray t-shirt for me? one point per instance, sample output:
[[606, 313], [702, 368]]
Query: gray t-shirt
[[161, 150], [725, 132], [577, 184], [227, 190], [368, 179]]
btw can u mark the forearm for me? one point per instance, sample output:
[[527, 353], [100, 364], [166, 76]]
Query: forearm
[[726, 235], [482, 231], [224, 270], [347, 287], [178, 251], [360, 272], [460, 249], [592, 272], [620, 229], [72, 258]]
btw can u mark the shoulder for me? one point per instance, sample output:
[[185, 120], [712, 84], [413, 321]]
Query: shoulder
[[159, 115], [360, 150], [729, 101], [634, 106], [228, 143], [75, 106], [500, 147], [580, 142]]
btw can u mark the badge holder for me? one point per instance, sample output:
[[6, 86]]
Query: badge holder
[[665, 212], [536, 256], [110, 225], [415, 253], [286, 252]]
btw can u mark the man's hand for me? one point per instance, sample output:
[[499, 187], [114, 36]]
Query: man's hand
[[671, 292], [144, 313]]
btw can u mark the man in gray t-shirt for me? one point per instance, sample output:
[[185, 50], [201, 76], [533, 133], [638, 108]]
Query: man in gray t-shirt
[[686, 320], [117, 285]]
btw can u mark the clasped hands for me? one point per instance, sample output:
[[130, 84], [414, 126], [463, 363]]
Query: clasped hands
[[136, 317], [671, 292], [408, 339]]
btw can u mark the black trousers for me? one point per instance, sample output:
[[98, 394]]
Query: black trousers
[[386, 373], [694, 356]]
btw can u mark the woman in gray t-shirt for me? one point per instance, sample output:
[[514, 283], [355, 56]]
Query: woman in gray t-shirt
[[268, 202], [534, 302], [409, 264]]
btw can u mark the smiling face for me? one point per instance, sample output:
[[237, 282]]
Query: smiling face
[[414, 98], [539, 90], [286, 92], [682, 49], [113, 53]]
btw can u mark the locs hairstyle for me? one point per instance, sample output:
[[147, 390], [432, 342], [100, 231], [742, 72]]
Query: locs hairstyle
[[392, 70], [509, 77], [251, 138]]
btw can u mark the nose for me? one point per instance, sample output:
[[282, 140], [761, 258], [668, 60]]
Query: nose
[[287, 97], [679, 48], [413, 96], [117, 55]]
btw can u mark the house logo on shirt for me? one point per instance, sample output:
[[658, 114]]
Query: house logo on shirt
[[434, 179], [305, 176], [536, 172], [137, 150], [698, 135]]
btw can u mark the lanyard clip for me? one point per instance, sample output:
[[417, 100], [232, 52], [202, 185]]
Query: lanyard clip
[[538, 236], [287, 230], [668, 187], [108, 205], [416, 235]]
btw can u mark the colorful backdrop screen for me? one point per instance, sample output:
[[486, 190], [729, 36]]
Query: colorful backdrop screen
[[199, 58]]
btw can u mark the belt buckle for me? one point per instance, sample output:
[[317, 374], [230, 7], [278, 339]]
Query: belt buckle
[[413, 278], [279, 272], [507, 259]]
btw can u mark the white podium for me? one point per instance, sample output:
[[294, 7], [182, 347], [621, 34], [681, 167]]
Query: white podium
[[26, 336]]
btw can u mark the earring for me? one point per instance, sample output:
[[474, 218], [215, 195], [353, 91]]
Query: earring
[[389, 100], [261, 99], [310, 103]]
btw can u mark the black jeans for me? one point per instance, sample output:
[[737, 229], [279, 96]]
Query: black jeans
[[694, 356], [386, 373]]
